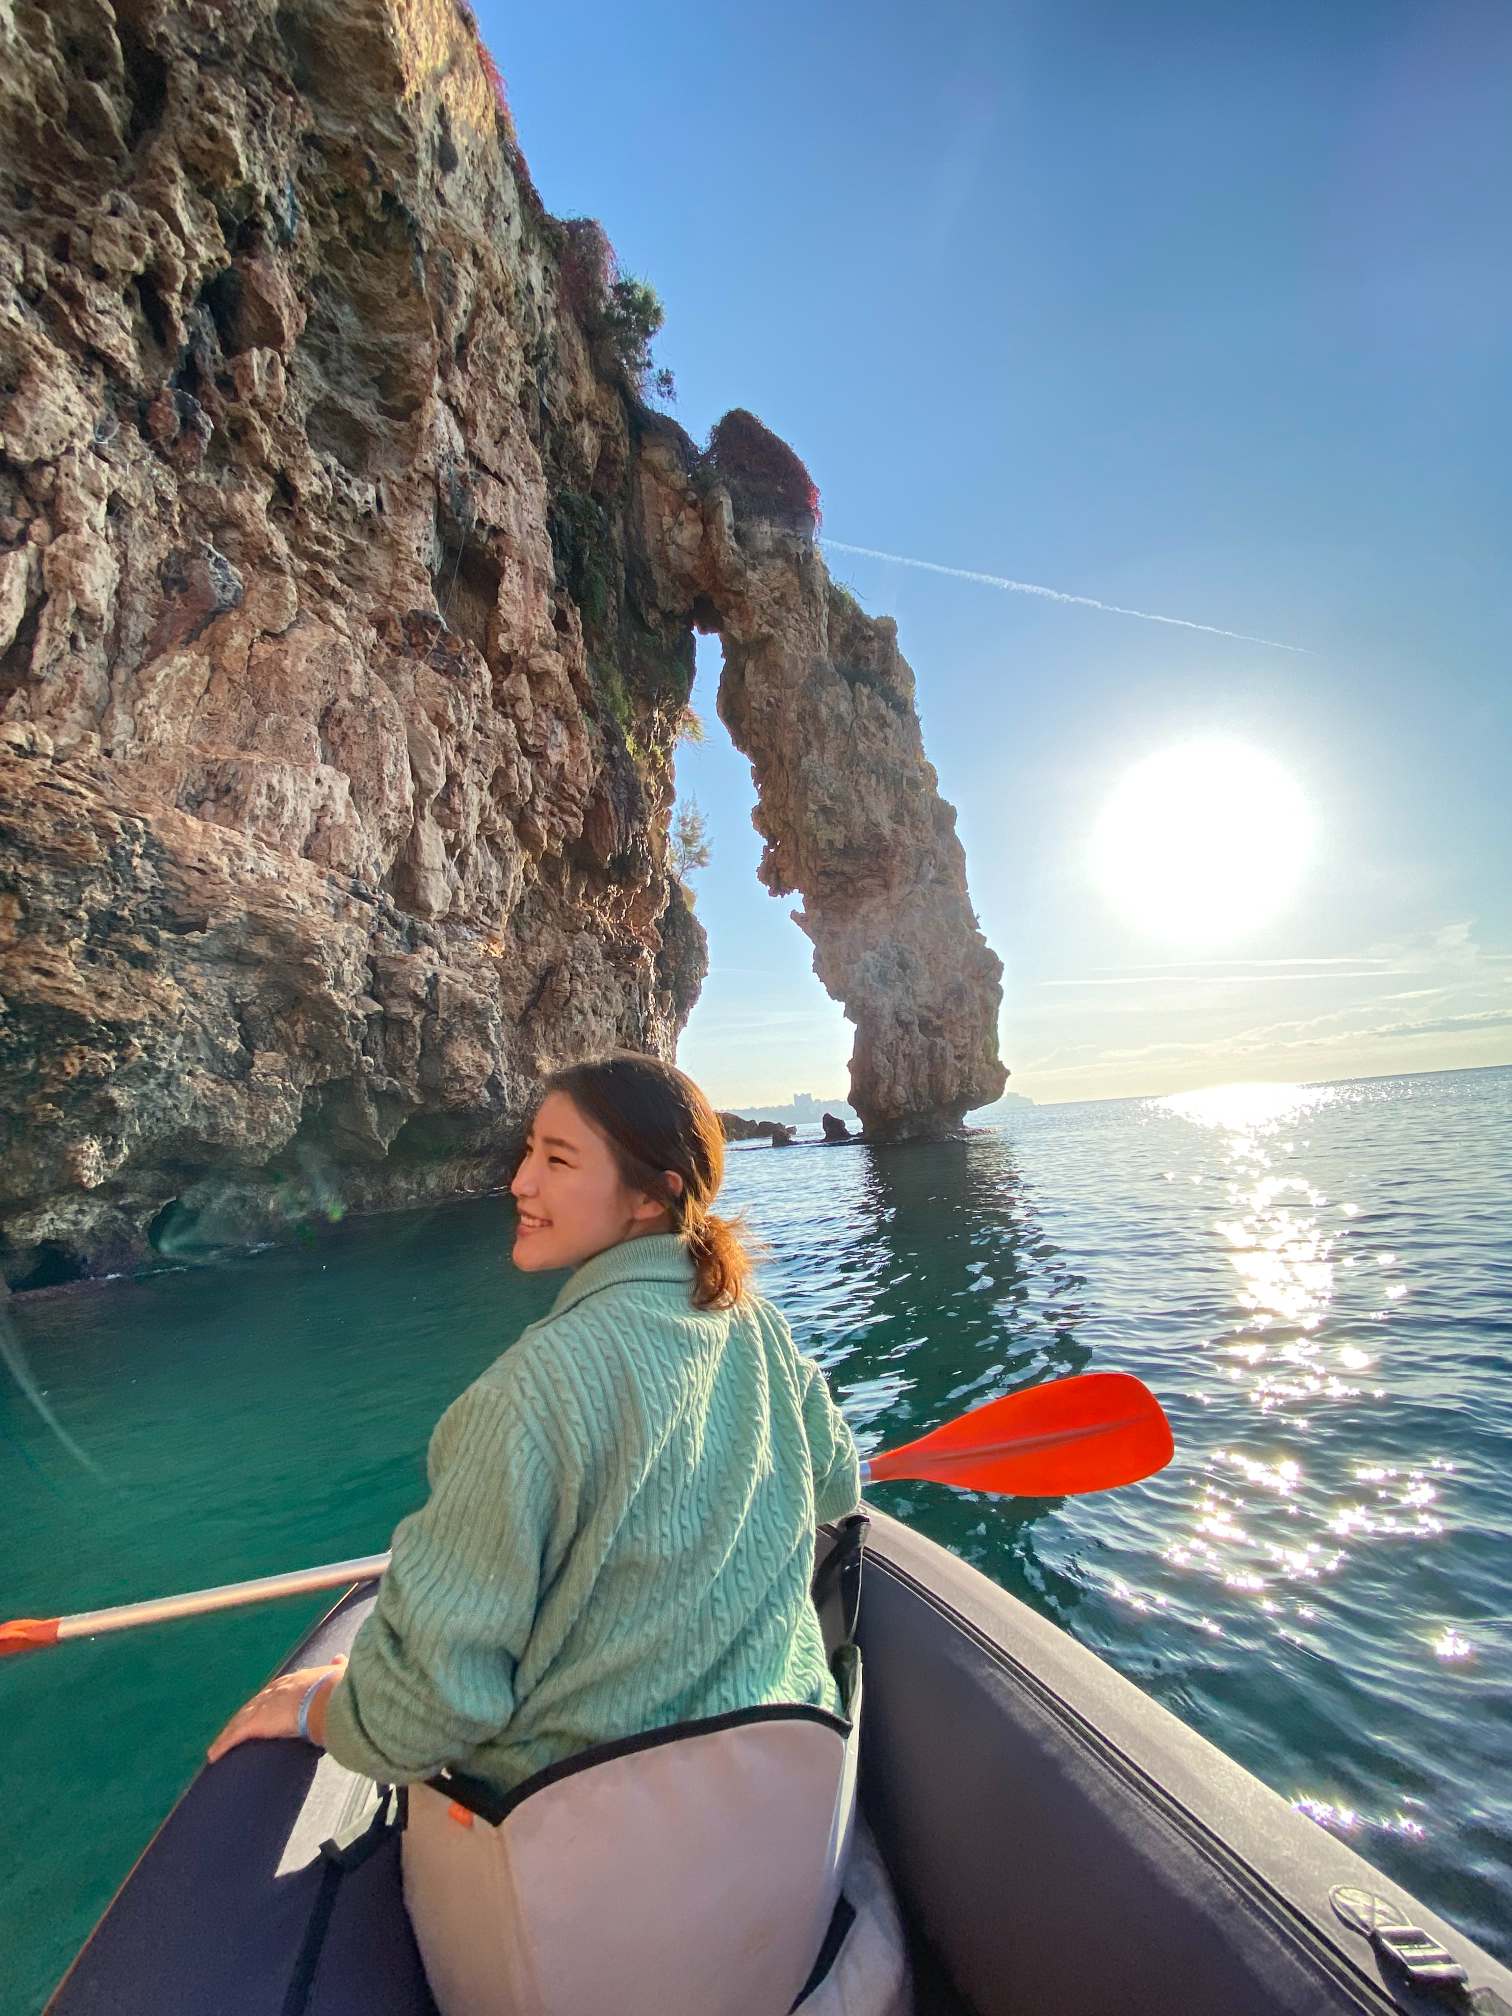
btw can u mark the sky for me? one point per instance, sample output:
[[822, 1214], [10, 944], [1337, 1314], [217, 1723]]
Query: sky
[[1199, 312]]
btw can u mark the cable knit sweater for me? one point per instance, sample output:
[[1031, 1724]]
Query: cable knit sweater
[[619, 1536]]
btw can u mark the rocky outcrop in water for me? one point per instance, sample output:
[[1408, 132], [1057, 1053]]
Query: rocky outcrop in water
[[738, 1128], [347, 598]]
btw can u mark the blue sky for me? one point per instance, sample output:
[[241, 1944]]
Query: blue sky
[[1201, 311]]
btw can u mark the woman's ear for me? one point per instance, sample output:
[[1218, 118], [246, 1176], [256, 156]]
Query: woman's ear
[[656, 1207], [651, 1207]]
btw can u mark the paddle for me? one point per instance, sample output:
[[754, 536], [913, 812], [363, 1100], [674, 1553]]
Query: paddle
[[1074, 1435], [1090, 1433]]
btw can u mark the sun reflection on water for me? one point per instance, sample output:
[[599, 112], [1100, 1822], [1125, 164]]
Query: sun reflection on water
[[1247, 1109], [1279, 1240], [1265, 1526]]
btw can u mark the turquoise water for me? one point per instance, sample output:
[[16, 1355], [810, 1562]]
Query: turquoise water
[[1318, 1283]]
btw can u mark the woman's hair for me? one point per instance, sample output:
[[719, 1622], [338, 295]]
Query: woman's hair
[[655, 1119]]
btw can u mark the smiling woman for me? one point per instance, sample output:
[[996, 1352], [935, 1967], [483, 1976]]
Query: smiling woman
[[1203, 842], [618, 1549]]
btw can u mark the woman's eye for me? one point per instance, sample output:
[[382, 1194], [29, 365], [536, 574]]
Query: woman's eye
[[556, 1161]]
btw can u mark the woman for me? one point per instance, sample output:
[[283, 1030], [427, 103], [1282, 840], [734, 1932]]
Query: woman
[[620, 1531]]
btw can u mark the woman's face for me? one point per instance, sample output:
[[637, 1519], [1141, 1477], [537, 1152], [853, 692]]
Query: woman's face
[[571, 1200]]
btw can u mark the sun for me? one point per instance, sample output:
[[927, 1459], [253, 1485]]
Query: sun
[[1202, 843]]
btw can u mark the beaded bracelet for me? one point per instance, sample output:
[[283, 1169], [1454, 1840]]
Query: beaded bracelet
[[308, 1702]]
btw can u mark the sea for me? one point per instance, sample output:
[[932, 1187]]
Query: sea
[[1316, 1280]]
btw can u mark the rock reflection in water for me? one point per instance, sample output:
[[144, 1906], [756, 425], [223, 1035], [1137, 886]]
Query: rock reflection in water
[[923, 1281]]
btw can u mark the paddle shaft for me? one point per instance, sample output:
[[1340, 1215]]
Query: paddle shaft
[[27, 1634], [193, 1603], [31, 1634]]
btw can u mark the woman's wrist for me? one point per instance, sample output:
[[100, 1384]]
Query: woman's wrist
[[293, 1704], [312, 1708]]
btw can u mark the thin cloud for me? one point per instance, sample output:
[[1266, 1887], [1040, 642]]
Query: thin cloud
[[1451, 945], [1451, 951], [1175, 977], [1059, 595], [1198, 966], [1322, 1032], [1460, 995], [1450, 1025], [764, 1020]]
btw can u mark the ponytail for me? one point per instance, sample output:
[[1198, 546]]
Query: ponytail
[[720, 1259]]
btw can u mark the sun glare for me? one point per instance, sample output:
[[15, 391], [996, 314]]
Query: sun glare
[[1202, 843]]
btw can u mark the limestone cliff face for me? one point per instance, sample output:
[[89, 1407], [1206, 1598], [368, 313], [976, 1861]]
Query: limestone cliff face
[[347, 596]]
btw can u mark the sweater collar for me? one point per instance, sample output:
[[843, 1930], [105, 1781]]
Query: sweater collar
[[659, 1256]]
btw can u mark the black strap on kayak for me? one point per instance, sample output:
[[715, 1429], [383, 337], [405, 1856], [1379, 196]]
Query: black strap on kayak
[[841, 1569], [841, 1921], [335, 1861]]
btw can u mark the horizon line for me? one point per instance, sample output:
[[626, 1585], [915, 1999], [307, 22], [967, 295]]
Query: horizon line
[[1214, 1085], [1302, 1084]]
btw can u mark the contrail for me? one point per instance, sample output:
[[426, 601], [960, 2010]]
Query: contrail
[[1057, 595]]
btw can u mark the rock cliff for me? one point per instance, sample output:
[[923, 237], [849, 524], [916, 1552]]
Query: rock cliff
[[347, 600]]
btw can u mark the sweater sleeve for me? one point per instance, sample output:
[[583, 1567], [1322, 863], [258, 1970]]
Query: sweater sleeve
[[832, 1447], [431, 1673]]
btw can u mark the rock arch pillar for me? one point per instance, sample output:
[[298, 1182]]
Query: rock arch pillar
[[819, 698]]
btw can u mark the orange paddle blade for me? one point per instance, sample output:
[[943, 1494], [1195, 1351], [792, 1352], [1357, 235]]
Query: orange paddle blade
[[1090, 1433], [27, 1634]]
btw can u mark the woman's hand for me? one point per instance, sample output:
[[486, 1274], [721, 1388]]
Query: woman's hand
[[275, 1711]]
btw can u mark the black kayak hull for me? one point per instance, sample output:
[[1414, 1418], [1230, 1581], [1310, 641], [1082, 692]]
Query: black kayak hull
[[1058, 1843], [1063, 1843]]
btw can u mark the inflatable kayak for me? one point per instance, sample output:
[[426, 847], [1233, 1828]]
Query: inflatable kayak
[[1058, 1845]]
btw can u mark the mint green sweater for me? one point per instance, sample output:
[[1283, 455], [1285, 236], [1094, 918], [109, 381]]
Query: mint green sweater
[[619, 1536]]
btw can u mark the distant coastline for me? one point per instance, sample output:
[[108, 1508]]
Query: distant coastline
[[804, 1110]]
